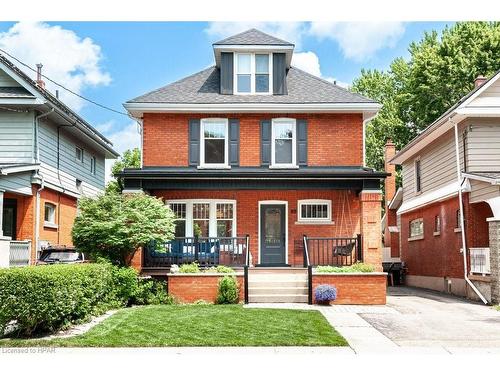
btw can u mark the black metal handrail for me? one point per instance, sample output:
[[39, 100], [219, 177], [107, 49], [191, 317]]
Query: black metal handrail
[[332, 251], [307, 264], [207, 251], [245, 268]]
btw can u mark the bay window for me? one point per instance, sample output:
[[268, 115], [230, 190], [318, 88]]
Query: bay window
[[214, 142], [283, 146], [252, 73], [204, 217]]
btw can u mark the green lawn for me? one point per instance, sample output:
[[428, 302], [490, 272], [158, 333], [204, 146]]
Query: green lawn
[[202, 325]]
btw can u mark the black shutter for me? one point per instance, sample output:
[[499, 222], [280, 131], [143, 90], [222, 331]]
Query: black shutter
[[194, 142], [226, 73], [265, 142], [234, 142], [279, 74], [301, 142]]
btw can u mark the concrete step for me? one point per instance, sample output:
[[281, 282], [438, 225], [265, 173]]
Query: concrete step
[[277, 283], [276, 270], [277, 279], [279, 298], [276, 291]]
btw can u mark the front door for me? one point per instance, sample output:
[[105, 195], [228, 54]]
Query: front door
[[272, 234], [9, 218]]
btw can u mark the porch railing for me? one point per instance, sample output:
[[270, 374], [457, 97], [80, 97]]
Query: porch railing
[[340, 251], [20, 253], [479, 260], [207, 251]]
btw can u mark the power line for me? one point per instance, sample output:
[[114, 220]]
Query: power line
[[65, 88]]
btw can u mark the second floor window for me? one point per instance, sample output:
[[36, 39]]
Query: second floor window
[[252, 73], [93, 165], [214, 143], [418, 176], [283, 147], [79, 154]]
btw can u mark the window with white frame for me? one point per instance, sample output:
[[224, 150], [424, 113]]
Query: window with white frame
[[204, 218], [315, 210], [214, 142], [49, 213], [79, 154], [283, 146], [93, 165], [417, 228], [418, 176], [252, 73], [179, 210]]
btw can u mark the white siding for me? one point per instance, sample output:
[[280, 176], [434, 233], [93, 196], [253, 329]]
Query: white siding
[[482, 191], [16, 137], [7, 81], [483, 145], [437, 166], [489, 98]]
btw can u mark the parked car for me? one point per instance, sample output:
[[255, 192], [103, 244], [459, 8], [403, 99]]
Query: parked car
[[63, 254]]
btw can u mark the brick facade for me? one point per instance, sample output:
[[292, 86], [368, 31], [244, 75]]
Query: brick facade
[[190, 288], [333, 139], [355, 289], [371, 228]]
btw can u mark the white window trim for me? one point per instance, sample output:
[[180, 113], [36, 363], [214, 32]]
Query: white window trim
[[52, 222], [419, 160], [285, 203], [93, 165], [294, 143], [224, 165], [212, 226], [81, 153], [252, 73], [302, 202]]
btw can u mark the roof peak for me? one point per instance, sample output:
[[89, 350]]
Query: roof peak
[[253, 36]]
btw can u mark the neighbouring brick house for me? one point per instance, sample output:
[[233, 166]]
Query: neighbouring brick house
[[426, 211], [255, 147], [49, 157]]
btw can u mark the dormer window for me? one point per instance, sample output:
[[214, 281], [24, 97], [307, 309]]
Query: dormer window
[[252, 73]]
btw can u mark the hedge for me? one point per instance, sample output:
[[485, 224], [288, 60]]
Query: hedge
[[48, 298]]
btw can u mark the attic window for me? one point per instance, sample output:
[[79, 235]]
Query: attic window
[[252, 73]]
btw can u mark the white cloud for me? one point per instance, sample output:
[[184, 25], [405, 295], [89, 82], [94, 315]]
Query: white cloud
[[67, 59], [309, 62], [125, 138], [359, 40], [289, 31]]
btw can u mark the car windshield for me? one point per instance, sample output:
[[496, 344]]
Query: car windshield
[[60, 255]]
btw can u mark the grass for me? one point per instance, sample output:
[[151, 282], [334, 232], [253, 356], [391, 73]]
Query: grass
[[497, 307], [201, 325]]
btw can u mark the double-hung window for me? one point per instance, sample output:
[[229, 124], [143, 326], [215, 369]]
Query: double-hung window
[[214, 142], [204, 217], [49, 215], [417, 228], [315, 210], [252, 73], [284, 143]]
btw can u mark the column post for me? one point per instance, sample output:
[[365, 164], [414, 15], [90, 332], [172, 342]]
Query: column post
[[371, 228], [494, 235]]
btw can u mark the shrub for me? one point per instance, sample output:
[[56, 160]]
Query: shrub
[[227, 291], [189, 268], [124, 283], [325, 293], [220, 269], [47, 298], [152, 292], [356, 267]]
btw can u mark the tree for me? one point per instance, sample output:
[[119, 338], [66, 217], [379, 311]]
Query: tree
[[415, 92], [129, 159], [113, 225]]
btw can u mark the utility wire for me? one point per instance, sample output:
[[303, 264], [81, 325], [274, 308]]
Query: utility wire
[[65, 88]]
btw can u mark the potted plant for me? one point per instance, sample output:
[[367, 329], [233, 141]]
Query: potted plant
[[324, 294]]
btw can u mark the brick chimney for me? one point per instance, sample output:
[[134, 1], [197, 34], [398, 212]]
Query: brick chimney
[[390, 182], [479, 81], [39, 78]]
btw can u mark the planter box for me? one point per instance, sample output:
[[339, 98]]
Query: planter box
[[355, 288], [190, 287]]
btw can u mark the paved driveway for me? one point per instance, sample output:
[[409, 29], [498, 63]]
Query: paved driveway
[[433, 319]]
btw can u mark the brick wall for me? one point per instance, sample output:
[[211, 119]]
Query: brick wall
[[355, 289], [371, 228], [439, 255], [333, 139], [190, 288], [247, 208]]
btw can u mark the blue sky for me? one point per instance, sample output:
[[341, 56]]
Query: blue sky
[[112, 62]]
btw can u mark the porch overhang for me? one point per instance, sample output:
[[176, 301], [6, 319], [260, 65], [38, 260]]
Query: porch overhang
[[252, 178]]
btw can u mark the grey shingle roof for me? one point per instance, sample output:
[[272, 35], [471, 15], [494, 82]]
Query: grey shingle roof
[[15, 92], [203, 88], [253, 37]]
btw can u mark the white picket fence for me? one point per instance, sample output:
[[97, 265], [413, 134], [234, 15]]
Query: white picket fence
[[20, 253], [480, 260]]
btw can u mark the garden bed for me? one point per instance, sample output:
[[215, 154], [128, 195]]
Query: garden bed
[[192, 287], [201, 325]]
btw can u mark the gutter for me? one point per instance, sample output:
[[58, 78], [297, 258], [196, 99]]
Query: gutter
[[461, 207]]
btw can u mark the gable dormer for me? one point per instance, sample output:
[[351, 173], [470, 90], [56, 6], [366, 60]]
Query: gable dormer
[[253, 63]]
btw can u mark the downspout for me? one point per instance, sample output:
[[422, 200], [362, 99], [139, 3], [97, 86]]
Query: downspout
[[461, 207]]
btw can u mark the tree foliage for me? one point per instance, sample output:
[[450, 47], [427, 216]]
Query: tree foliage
[[129, 159], [440, 70], [113, 226]]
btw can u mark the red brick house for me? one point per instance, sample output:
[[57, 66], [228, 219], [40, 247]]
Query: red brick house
[[252, 155], [450, 199]]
